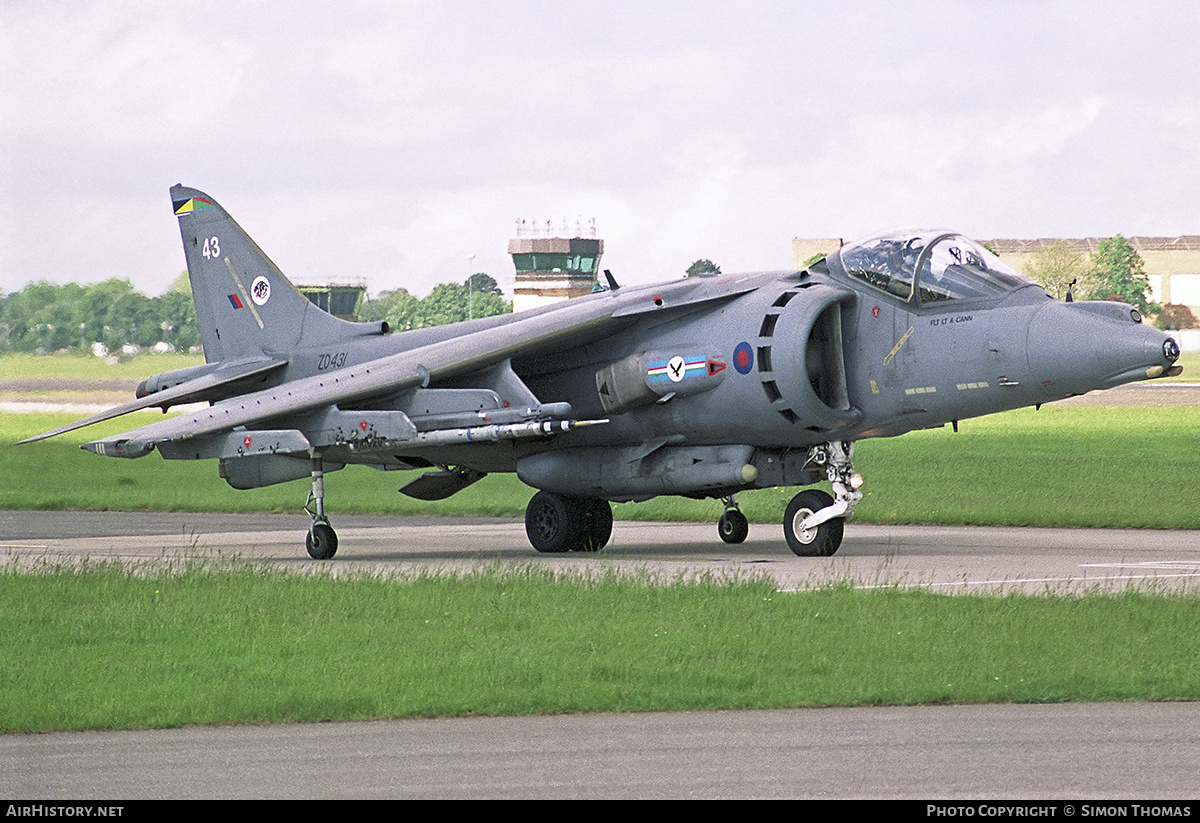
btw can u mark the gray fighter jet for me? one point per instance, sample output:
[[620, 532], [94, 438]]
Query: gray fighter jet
[[703, 387]]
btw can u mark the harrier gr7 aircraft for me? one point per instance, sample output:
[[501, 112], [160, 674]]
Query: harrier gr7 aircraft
[[703, 387]]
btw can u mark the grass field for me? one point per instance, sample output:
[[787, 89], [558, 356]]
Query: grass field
[[106, 649], [85, 367]]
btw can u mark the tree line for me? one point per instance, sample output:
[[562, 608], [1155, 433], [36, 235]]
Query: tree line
[[477, 296], [47, 317], [1114, 271]]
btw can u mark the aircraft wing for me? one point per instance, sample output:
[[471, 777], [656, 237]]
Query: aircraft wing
[[423, 365], [188, 392]]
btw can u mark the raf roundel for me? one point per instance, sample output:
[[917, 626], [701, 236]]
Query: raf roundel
[[743, 358], [260, 290]]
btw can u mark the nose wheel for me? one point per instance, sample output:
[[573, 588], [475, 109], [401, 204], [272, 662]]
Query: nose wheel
[[821, 540], [815, 522], [321, 541]]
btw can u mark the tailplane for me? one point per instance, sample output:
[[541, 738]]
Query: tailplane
[[245, 306]]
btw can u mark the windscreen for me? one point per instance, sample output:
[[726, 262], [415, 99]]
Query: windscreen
[[928, 267]]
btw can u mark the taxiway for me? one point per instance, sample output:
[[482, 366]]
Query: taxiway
[[1132, 751], [943, 558]]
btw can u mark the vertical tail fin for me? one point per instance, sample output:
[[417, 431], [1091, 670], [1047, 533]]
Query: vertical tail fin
[[244, 304]]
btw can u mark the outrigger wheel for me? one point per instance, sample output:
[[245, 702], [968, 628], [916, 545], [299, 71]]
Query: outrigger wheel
[[732, 525], [322, 539]]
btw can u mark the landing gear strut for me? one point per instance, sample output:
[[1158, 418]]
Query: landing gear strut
[[814, 522], [732, 526], [322, 539], [557, 523]]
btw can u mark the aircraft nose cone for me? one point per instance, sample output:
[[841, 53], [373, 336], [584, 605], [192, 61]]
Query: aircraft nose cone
[[1084, 346], [1171, 349]]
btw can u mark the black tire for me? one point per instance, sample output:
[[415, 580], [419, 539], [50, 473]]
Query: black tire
[[822, 541], [321, 541], [553, 523], [597, 524], [733, 526]]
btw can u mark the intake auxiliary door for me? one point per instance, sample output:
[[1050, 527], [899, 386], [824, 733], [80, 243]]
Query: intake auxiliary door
[[800, 357]]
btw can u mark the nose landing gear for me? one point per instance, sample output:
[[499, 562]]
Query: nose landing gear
[[820, 540], [815, 522]]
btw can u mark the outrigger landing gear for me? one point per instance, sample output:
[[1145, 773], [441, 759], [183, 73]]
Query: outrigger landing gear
[[814, 522], [732, 525], [322, 539]]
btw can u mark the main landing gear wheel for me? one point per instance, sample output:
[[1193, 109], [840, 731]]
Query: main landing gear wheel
[[550, 523], [556, 523], [597, 524], [821, 541], [321, 541], [733, 526]]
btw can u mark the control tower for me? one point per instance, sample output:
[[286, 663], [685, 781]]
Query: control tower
[[552, 264]]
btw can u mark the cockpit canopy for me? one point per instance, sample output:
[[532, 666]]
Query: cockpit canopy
[[927, 267]]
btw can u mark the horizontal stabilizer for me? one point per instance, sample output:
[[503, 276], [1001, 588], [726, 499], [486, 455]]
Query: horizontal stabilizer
[[193, 391]]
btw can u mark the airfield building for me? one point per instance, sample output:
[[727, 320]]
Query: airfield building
[[552, 264], [340, 301]]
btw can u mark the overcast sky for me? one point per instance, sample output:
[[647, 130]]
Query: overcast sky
[[384, 142]]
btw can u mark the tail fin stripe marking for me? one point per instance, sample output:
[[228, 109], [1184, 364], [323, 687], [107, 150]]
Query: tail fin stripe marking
[[245, 297], [190, 205]]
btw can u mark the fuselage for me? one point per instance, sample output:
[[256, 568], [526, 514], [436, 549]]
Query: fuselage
[[704, 387], [887, 336]]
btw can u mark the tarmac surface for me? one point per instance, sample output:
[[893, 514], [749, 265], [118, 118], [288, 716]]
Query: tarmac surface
[[1102, 752], [950, 559], [1106, 751], [1097, 751]]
